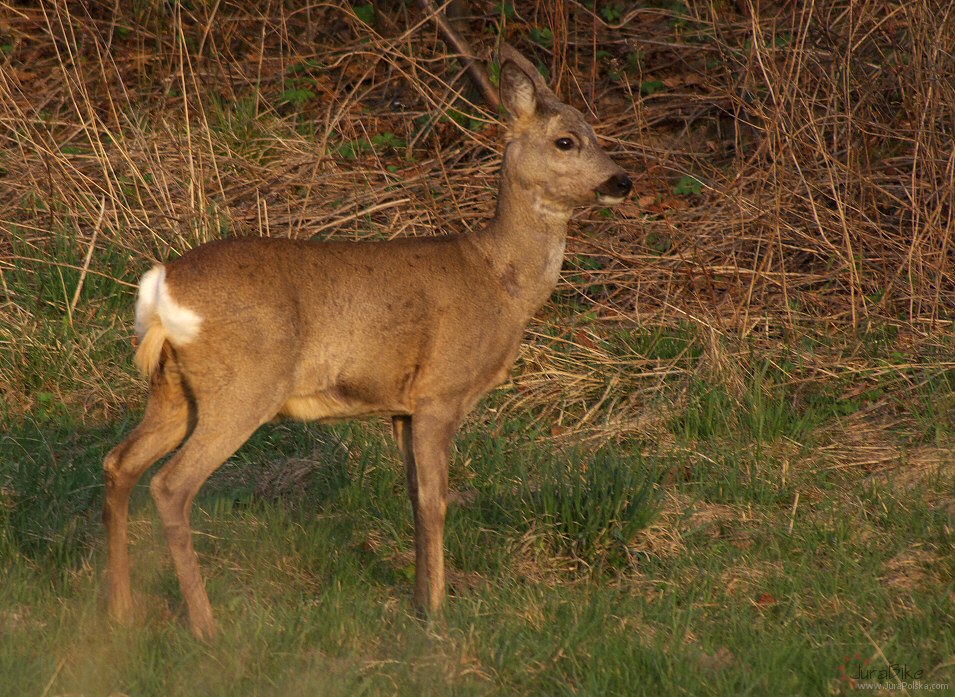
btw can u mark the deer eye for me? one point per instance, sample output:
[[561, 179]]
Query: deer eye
[[564, 143]]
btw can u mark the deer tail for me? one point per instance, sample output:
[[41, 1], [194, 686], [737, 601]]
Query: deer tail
[[160, 320]]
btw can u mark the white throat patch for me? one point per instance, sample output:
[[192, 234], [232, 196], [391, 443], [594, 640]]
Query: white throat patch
[[548, 209]]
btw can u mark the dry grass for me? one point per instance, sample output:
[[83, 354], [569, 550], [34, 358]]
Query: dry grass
[[818, 138]]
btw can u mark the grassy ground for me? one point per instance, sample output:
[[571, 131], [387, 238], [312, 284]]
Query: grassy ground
[[724, 464], [727, 564]]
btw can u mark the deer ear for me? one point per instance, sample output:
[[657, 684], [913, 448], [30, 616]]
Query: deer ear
[[522, 87], [518, 93]]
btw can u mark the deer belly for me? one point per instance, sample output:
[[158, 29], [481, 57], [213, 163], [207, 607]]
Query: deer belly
[[345, 402]]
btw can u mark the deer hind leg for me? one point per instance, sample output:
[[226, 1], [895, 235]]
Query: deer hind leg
[[175, 486], [165, 424], [425, 442]]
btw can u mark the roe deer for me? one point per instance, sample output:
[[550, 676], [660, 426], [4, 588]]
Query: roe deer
[[238, 331]]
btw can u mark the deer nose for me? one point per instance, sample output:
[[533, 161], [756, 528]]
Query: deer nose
[[617, 186]]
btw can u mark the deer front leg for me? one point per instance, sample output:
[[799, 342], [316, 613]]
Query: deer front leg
[[425, 442]]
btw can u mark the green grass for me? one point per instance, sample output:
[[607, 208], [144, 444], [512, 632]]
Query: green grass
[[571, 572]]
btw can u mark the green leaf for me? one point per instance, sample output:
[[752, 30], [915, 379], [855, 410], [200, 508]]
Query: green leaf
[[506, 9], [688, 184], [387, 140], [365, 13], [612, 13], [544, 37], [296, 97]]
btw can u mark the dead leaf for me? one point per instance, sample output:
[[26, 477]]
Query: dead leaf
[[630, 209], [584, 339]]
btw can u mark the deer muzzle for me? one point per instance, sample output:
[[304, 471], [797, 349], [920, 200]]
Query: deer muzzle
[[615, 189]]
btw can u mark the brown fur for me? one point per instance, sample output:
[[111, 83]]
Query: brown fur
[[416, 329], [149, 349]]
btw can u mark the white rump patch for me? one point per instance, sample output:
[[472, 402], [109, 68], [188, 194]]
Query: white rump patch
[[181, 325]]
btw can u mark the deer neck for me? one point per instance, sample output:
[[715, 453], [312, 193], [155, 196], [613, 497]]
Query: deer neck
[[524, 243]]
